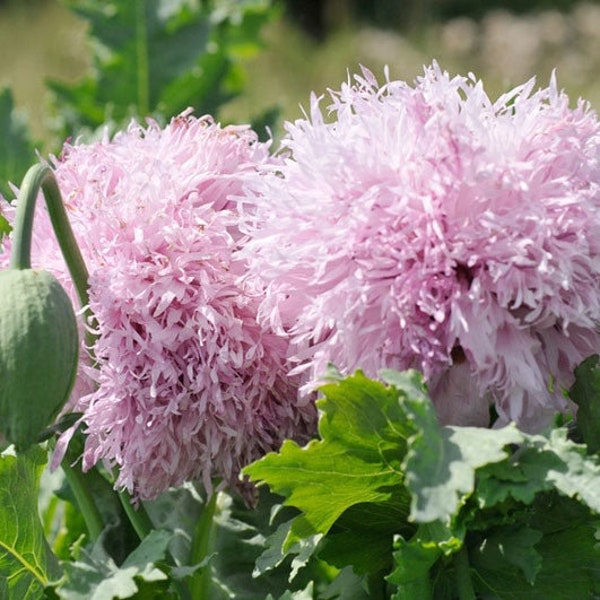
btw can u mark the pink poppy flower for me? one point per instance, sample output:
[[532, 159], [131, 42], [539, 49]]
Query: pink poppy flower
[[188, 385], [430, 227]]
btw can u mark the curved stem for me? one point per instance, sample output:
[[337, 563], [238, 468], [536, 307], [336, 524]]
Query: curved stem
[[41, 176]]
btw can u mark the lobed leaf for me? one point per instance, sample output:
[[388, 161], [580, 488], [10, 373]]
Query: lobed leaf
[[441, 462], [27, 565], [554, 555], [540, 464], [357, 460], [95, 576]]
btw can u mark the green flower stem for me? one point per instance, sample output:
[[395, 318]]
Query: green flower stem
[[84, 498], [142, 524], [138, 517], [201, 547], [42, 176], [464, 583]]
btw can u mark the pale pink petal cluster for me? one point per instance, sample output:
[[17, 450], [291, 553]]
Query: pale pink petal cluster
[[430, 227], [188, 385]]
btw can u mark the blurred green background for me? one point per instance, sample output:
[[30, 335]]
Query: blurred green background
[[314, 44]]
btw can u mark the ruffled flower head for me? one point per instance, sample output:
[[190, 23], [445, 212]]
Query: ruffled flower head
[[429, 227], [188, 385]]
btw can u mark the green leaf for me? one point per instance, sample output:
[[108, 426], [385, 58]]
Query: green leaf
[[305, 594], [441, 463], [516, 547], [585, 392], [412, 562], [383, 463], [346, 586], [152, 549], [565, 562], [275, 552], [240, 536], [27, 564], [357, 460], [159, 57], [542, 463], [241, 542], [16, 149], [363, 535], [95, 576]]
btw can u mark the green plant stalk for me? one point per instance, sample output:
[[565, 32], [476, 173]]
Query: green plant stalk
[[138, 517], [41, 176], [464, 583], [143, 68], [201, 546], [83, 497]]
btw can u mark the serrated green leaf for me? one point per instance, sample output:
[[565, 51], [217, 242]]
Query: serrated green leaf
[[363, 536], [275, 554], [346, 586], [240, 538], [305, 594], [585, 392], [441, 464], [95, 576], [516, 547], [16, 149], [27, 564], [567, 563], [357, 460], [413, 561], [542, 463]]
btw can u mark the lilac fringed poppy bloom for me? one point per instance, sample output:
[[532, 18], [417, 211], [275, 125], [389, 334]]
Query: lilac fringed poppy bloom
[[188, 385], [429, 227]]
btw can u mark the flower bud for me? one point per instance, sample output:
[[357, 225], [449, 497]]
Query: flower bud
[[38, 353]]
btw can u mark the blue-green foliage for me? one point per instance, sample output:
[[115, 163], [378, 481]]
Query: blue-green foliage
[[428, 509]]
